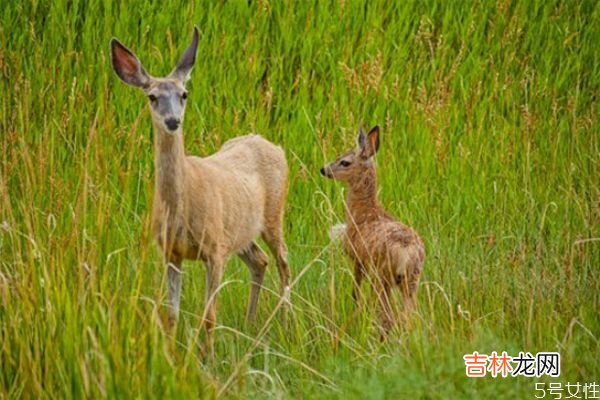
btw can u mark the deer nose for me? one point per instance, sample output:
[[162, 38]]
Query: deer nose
[[172, 123], [323, 171]]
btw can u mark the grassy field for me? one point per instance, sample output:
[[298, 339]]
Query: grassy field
[[490, 149]]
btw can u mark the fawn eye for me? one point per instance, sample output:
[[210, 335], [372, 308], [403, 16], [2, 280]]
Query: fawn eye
[[184, 95], [152, 98], [345, 163]]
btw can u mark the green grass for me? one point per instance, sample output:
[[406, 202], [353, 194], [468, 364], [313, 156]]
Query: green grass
[[490, 149]]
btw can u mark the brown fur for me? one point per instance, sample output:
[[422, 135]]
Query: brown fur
[[389, 252]]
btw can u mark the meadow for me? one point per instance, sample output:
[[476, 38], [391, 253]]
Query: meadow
[[490, 149]]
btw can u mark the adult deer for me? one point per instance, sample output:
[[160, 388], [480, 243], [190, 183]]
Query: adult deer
[[209, 208]]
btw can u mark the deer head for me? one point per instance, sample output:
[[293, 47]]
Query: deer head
[[166, 96], [353, 163]]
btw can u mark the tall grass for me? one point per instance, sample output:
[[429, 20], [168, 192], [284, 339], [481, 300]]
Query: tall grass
[[490, 149]]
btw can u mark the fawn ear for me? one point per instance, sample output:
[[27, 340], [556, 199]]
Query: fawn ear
[[185, 64], [361, 140], [371, 143], [374, 138], [127, 66]]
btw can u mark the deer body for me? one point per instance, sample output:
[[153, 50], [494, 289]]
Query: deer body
[[218, 205], [389, 252], [376, 240], [209, 208]]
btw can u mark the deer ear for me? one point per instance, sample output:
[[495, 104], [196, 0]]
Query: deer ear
[[374, 138], [372, 143], [186, 62], [361, 140], [127, 66]]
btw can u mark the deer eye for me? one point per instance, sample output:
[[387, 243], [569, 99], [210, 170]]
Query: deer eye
[[184, 95], [152, 98], [345, 163]]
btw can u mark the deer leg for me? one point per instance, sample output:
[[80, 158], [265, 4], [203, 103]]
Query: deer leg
[[256, 260], [409, 304], [214, 272], [408, 288], [174, 281], [277, 246], [386, 313], [358, 276]]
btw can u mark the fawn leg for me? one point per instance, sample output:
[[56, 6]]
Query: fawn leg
[[408, 287], [256, 260], [358, 276], [386, 313]]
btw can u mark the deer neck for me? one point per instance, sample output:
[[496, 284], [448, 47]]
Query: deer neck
[[169, 160], [361, 202]]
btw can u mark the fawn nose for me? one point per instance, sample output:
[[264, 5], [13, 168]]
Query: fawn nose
[[172, 123], [323, 171]]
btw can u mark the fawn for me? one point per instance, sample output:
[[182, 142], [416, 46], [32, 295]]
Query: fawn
[[391, 253], [209, 208]]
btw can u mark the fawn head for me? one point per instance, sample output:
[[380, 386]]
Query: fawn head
[[166, 96], [352, 164]]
